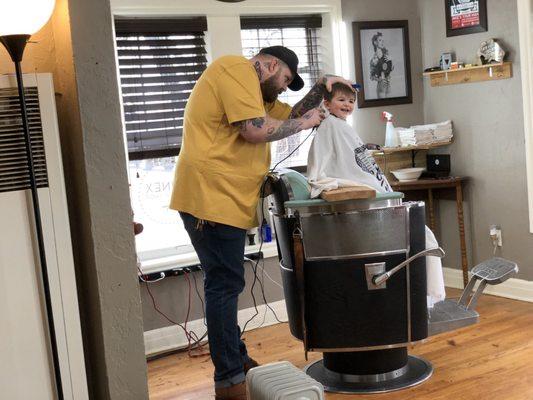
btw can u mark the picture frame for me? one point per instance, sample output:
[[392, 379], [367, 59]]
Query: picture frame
[[382, 63], [464, 17]]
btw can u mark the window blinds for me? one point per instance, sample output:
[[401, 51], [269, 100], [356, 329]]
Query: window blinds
[[302, 35], [159, 60]]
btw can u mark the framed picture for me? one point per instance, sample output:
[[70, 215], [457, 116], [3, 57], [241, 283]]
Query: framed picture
[[382, 63], [465, 16]]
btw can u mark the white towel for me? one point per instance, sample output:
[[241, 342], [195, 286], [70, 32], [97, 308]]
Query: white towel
[[435, 281]]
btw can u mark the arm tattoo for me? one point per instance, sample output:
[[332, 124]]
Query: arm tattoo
[[311, 99], [258, 122], [287, 128]]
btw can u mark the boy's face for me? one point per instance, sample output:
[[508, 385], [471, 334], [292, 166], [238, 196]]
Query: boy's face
[[341, 105]]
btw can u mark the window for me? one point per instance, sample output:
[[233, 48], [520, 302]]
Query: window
[[300, 34], [159, 63]]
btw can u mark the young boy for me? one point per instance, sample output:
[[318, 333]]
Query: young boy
[[339, 158]]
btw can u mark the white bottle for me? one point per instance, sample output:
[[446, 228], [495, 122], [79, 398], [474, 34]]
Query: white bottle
[[391, 136]]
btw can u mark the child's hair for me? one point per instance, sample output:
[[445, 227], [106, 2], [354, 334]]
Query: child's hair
[[338, 88]]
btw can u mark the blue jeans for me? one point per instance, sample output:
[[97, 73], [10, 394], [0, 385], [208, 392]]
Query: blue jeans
[[220, 249]]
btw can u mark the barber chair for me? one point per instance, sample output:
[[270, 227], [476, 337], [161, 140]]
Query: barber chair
[[354, 278]]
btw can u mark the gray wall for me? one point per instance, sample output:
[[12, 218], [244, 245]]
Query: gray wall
[[489, 138], [368, 120], [171, 295], [98, 196]]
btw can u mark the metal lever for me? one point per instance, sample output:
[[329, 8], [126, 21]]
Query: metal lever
[[380, 279]]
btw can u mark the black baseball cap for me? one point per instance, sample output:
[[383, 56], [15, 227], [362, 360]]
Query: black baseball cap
[[290, 58]]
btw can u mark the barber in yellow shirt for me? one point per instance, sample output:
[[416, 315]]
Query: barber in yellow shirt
[[230, 119]]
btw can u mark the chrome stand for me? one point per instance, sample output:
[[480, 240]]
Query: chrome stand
[[416, 371]]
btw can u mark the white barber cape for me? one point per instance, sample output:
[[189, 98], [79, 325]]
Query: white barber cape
[[339, 158]]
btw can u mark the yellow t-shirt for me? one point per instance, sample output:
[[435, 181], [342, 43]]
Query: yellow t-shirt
[[219, 174]]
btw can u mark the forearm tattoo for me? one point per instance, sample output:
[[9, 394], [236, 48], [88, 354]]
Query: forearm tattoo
[[273, 133], [311, 99], [286, 129]]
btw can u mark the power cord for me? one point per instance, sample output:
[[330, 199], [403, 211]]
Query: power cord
[[194, 345], [254, 266]]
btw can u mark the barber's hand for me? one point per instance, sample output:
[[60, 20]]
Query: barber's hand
[[329, 80], [312, 118]]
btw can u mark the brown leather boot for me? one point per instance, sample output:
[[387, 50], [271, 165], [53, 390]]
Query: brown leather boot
[[233, 392], [249, 365]]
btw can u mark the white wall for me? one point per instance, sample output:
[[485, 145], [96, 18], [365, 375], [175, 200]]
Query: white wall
[[525, 28]]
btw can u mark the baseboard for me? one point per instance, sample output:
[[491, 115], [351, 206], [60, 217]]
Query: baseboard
[[517, 289], [171, 338]]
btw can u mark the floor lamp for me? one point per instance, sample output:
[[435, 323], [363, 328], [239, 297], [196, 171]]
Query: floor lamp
[[18, 21]]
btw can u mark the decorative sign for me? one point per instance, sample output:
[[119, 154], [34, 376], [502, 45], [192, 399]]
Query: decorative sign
[[465, 16]]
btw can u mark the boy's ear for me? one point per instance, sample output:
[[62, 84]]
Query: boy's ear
[[326, 103]]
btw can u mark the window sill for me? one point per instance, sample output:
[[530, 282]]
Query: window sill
[[189, 259]]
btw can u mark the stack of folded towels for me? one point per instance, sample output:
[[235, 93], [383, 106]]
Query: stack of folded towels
[[426, 134], [407, 136]]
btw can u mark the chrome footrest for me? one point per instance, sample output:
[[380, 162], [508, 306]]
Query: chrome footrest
[[448, 315], [495, 271]]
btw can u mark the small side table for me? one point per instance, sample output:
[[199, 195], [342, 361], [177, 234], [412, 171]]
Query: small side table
[[433, 187]]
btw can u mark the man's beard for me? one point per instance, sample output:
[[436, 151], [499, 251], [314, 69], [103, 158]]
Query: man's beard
[[269, 89]]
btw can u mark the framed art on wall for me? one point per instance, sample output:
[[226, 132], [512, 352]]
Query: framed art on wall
[[382, 63], [465, 16]]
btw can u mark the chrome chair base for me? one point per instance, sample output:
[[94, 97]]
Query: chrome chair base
[[416, 371]]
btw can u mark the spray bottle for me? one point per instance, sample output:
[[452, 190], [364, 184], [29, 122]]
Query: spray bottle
[[391, 136]]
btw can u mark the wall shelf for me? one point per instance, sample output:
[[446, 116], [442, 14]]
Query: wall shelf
[[480, 73], [389, 158], [390, 150]]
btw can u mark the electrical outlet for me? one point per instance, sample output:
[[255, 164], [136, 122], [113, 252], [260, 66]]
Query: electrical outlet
[[495, 233]]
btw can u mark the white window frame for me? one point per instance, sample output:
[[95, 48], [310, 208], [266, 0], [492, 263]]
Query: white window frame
[[525, 30], [223, 37]]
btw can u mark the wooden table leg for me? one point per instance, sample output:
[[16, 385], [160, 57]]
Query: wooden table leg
[[431, 210], [460, 220]]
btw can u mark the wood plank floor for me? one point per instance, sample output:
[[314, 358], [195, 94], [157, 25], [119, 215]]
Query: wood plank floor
[[488, 361]]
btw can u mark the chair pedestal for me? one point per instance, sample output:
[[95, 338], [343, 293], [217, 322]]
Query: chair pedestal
[[377, 371]]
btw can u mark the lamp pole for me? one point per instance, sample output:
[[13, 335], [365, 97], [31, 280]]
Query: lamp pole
[[15, 45]]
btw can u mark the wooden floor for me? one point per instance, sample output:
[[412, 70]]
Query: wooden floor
[[492, 360]]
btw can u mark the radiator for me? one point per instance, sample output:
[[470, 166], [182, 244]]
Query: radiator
[[25, 367], [281, 381]]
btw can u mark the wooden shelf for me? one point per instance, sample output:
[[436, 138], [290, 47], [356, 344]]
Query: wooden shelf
[[391, 150], [479, 73]]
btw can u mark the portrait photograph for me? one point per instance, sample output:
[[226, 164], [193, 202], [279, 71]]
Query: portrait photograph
[[382, 63]]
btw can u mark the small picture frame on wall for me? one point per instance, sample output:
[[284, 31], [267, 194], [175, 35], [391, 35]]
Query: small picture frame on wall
[[465, 16], [382, 63]]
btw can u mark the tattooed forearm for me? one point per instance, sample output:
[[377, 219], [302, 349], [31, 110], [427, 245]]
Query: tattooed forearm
[[286, 129], [311, 99], [267, 129]]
